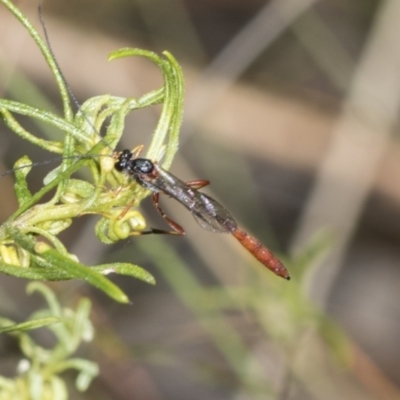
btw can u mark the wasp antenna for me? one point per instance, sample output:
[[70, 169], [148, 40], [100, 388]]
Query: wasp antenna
[[47, 38], [70, 92], [30, 165], [51, 160], [15, 169]]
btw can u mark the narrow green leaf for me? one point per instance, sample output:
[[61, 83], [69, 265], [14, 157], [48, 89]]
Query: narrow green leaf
[[34, 273], [61, 176], [127, 270], [26, 326], [129, 52], [87, 371], [80, 271], [336, 340], [48, 55], [23, 240], [22, 168], [172, 93]]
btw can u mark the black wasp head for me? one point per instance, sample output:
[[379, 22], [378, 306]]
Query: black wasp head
[[124, 161]]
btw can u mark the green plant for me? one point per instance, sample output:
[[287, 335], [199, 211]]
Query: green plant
[[29, 247], [38, 377]]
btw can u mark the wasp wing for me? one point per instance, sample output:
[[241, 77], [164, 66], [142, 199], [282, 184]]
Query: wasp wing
[[211, 215]]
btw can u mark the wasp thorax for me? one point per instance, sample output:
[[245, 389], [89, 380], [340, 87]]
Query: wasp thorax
[[142, 165]]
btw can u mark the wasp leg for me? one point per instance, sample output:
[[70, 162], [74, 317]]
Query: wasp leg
[[198, 184], [137, 150], [177, 229]]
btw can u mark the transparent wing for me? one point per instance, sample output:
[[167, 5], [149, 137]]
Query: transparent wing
[[208, 213], [211, 215]]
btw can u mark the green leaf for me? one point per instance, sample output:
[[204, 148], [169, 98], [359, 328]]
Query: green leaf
[[22, 168], [336, 340], [61, 176], [87, 371], [127, 270], [170, 119], [22, 239], [49, 295], [46, 274], [309, 258], [34, 273], [77, 270], [48, 55], [33, 324]]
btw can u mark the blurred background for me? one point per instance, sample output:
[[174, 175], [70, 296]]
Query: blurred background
[[291, 111]]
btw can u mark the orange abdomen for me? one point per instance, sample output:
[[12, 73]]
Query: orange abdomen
[[261, 253]]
